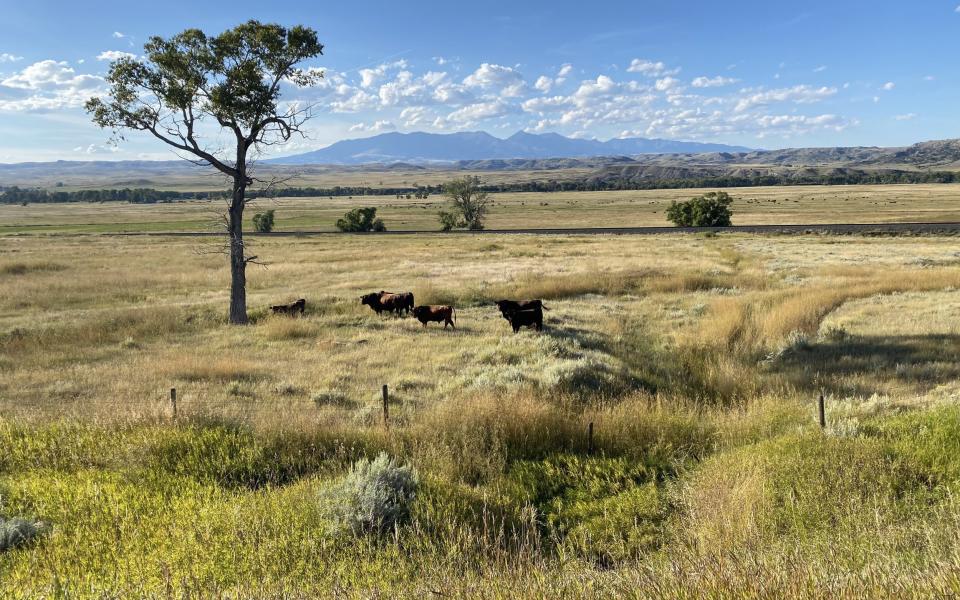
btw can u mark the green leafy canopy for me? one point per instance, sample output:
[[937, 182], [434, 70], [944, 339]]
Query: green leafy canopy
[[709, 210], [233, 78], [361, 220]]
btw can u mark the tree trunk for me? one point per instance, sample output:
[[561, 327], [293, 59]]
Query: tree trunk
[[238, 262]]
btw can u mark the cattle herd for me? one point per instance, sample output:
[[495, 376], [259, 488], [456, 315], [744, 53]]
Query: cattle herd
[[519, 313]]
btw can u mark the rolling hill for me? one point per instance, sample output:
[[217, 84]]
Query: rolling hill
[[422, 147]]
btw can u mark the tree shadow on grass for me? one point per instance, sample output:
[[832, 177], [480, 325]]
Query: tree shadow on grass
[[867, 365]]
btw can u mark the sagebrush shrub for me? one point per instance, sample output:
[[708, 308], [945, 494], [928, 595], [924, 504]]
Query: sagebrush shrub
[[834, 333], [14, 532], [374, 497]]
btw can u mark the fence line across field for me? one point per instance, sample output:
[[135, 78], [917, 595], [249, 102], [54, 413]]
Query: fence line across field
[[175, 401]]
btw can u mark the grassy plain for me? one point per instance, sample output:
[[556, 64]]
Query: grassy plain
[[752, 206], [697, 359]]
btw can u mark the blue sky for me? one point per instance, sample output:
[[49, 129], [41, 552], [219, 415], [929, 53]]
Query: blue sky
[[760, 74]]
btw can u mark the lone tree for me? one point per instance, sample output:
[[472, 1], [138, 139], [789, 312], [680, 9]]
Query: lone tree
[[263, 222], [185, 82], [709, 210], [361, 220], [469, 202]]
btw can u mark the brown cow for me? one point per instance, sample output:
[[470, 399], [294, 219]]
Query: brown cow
[[290, 309], [441, 314], [402, 301], [388, 301]]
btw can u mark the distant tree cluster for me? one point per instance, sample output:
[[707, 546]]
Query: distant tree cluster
[[709, 210], [360, 220], [16, 195]]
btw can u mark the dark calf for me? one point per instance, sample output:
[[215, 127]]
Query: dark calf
[[441, 314], [290, 309]]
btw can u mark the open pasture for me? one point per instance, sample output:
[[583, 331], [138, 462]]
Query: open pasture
[[632, 208], [697, 359]]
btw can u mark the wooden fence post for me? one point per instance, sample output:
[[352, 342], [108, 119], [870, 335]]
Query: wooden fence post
[[821, 412], [173, 402], [386, 406], [590, 438]]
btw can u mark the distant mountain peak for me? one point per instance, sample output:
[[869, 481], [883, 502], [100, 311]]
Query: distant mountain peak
[[422, 147]]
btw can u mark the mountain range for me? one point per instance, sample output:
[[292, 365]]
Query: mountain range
[[606, 162], [419, 147]]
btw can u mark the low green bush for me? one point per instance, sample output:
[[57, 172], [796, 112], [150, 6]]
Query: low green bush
[[605, 509], [927, 440], [232, 456], [799, 487], [620, 527]]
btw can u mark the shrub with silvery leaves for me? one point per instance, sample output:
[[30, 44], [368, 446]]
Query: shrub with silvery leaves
[[374, 497], [14, 532]]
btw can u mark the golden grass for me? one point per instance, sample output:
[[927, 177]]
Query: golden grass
[[22, 268], [120, 325], [221, 370], [759, 323], [278, 328], [661, 343]]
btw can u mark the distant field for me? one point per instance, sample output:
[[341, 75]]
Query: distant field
[[752, 206]]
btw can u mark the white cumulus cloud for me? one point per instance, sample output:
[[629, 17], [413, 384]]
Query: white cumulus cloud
[[544, 84], [369, 77], [114, 55], [505, 81], [375, 127], [799, 94], [667, 83], [647, 67], [710, 82]]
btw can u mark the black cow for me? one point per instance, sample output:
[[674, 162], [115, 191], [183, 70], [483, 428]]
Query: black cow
[[526, 318], [508, 306], [375, 301], [290, 309]]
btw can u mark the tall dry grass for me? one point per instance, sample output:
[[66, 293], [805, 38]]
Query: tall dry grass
[[759, 323]]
